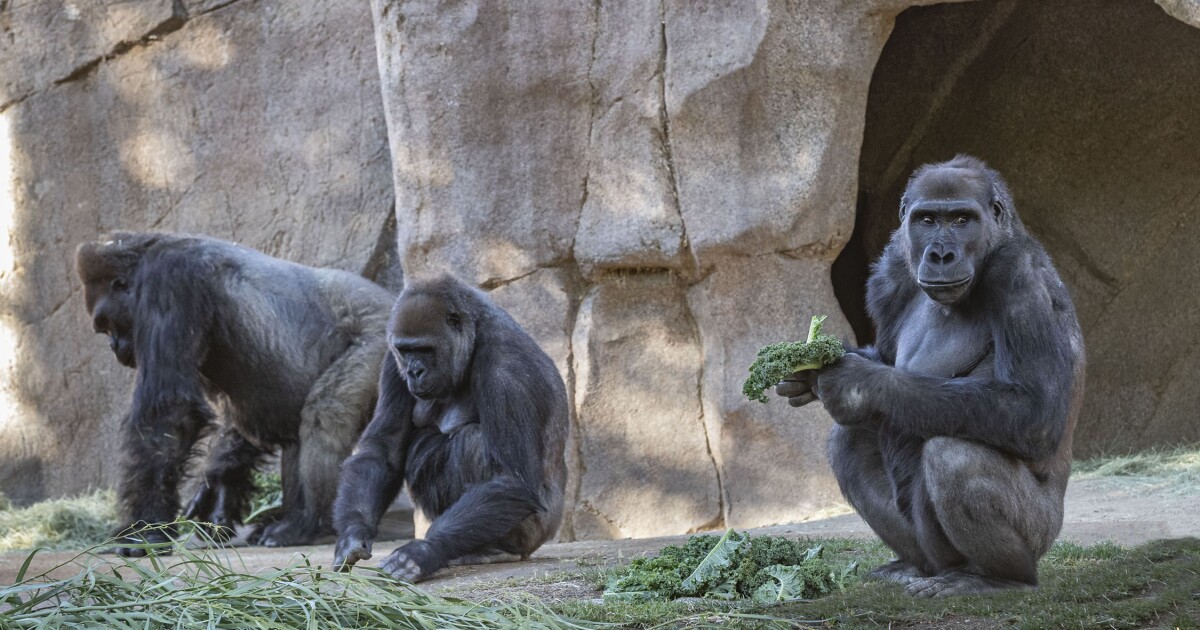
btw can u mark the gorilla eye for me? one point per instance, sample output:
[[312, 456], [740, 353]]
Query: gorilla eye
[[454, 320], [960, 221], [926, 220], [120, 285]]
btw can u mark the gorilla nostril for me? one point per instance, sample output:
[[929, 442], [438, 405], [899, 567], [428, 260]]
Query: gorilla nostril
[[415, 372], [947, 258]]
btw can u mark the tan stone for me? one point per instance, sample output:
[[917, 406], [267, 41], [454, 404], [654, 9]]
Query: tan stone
[[646, 469], [772, 456], [259, 122], [488, 120]]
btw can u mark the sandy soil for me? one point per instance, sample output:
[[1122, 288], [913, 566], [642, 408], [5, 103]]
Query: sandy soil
[[1127, 511]]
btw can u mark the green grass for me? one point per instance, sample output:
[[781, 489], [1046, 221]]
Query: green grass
[[202, 589]]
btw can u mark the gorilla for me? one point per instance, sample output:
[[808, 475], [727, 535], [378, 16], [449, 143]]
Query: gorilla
[[288, 353], [953, 433], [473, 416]]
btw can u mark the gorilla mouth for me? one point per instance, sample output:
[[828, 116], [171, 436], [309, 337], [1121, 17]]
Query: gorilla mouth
[[947, 292], [948, 284], [123, 349]]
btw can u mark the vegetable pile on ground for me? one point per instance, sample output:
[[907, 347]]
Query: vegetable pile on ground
[[766, 569], [776, 361]]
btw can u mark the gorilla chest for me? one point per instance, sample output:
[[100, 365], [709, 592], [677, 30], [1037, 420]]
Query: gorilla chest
[[938, 342], [447, 416]]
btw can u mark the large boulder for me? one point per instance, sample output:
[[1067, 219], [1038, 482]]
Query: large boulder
[[259, 122]]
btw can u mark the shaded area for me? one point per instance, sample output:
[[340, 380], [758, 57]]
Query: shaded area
[[1089, 110]]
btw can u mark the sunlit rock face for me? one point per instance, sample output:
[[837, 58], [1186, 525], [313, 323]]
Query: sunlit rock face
[[259, 122]]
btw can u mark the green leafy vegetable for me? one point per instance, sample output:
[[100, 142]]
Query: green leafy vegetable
[[712, 570], [777, 361], [766, 568]]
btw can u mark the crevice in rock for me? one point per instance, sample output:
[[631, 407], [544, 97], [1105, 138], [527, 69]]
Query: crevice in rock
[[664, 132], [593, 102], [495, 283], [383, 267], [576, 288], [167, 26], [720, 519]]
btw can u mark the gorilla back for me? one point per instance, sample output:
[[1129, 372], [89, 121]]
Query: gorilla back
[[473, 415], [953, 434], [291, 351]]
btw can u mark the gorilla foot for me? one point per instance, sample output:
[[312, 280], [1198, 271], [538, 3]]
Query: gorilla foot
[[283, 533], [961, 583], [414, 562], [898, 571]]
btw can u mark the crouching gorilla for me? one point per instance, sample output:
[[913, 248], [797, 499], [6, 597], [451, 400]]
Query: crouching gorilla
[[290, 353], [473, 416], [953, 433]]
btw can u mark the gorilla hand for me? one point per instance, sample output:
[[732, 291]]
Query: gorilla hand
[[351, 547], [413, 562], [798, 388], [841, 388], [211, 505]]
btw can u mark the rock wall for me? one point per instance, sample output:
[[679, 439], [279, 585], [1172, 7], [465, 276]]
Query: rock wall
[[258, 121], [655, 190]]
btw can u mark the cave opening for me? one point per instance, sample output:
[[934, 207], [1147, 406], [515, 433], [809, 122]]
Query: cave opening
[[1091, 111]]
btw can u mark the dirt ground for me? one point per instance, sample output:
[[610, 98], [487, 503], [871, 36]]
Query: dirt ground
[[1126, 510]]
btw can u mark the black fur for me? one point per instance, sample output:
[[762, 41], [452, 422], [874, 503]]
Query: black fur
[[288, 352], [481, 447], [953, 434]]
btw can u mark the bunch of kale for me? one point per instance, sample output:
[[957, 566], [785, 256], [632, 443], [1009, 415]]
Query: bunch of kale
[[776, 361], [767, 569]]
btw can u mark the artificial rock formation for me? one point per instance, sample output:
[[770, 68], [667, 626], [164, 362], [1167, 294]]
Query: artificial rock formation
[[258, 122]]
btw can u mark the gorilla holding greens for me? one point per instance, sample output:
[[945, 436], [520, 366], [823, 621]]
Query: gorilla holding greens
[[289, 353], [473, 417], [953, 432]]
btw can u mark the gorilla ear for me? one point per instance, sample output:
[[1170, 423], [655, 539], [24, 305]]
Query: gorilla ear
[[903, 208]]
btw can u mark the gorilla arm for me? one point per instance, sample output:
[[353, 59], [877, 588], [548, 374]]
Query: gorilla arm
[[374, 474], [1021, 408], [169, 410]]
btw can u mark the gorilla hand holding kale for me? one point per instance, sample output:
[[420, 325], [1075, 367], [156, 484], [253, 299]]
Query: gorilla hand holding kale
[[777, 362]]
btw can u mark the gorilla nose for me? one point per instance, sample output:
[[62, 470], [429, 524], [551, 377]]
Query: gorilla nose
[[416, 372], [939, 255]]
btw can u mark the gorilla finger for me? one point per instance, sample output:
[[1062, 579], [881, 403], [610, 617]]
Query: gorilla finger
[[789, 389], [802, 399]]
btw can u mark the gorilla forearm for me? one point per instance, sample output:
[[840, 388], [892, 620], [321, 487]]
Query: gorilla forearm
[[368, 486], [157, 441], [1020, 419]]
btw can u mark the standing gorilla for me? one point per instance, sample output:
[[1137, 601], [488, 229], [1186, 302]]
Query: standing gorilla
[[953, 434], [290, 351], [473, 415]]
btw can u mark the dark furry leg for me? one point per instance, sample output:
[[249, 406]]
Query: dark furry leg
[[224, 492]]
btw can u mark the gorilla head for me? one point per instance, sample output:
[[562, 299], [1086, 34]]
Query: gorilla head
[[107, 270], [432, 334], [952, 215]]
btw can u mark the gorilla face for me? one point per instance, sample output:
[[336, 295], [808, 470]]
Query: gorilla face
[[950, 224], [431, 342], [110, 303]]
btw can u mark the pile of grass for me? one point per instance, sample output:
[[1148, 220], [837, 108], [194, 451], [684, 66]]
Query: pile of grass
[[1177, 469], [74, 523], [205, 589]]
